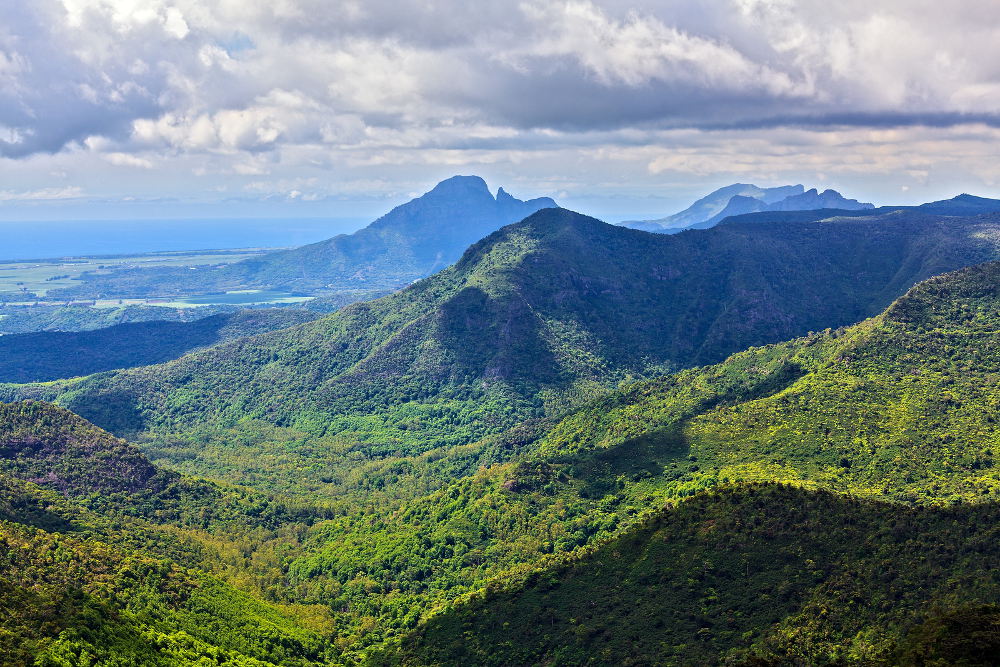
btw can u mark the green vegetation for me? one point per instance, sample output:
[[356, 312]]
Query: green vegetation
[[49, 317], [102, 574], [535, 319], [69, 600], [482, 448], [42, 276], [755, 575], [855, 410], [42, 356]]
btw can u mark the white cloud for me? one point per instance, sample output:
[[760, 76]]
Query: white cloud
[[288, 89], [45, 194], [638, 50], [127, 160]]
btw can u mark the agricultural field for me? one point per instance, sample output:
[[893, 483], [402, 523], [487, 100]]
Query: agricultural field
[[39, 277]]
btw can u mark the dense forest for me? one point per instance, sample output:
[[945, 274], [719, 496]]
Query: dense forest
[[284, 383], [828, 499], [744, 575], [107, 559]]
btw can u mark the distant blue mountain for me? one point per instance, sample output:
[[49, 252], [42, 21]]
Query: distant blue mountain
[[963, 204], [712, 204], [742, 198], [409, 242]]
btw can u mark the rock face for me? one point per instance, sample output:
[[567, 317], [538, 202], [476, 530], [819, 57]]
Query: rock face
[[740, 199]]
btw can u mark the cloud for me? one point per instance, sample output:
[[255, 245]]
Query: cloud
[[257, 75], [46, 194], [127, 160], [236, 89]]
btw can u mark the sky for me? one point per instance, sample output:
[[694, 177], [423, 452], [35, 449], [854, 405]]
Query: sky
[[135, 109]]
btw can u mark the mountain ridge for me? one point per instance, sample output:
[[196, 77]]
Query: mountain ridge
[[895, 414], [538, 316], [900, 407], [741, 198]]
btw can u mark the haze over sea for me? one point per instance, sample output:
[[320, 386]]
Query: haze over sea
[[38, 240]]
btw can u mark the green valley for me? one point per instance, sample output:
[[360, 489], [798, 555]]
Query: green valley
[[483, 445], [287, 380]]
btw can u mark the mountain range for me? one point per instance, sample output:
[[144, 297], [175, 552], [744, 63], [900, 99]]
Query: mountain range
[[707, 504], [742, 198], [897, 410], [769, 442], [535, 318], [410, 242]]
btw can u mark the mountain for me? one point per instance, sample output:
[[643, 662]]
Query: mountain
[[50, 355], [740, 199], [811, 199], [828, 200], [711, 204], [745, 575], [898, 409], [410, 242], [537, 317], [829, 499], [738, 205], [963, 204]]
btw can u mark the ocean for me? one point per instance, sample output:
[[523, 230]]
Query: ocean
[[42, 240]]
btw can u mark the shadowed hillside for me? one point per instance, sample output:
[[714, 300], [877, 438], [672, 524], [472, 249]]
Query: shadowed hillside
[[899, 408], [51, 355]]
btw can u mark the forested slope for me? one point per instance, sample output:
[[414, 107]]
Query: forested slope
[[898, 408], [757, 575], [104, 559], [533, 318]]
